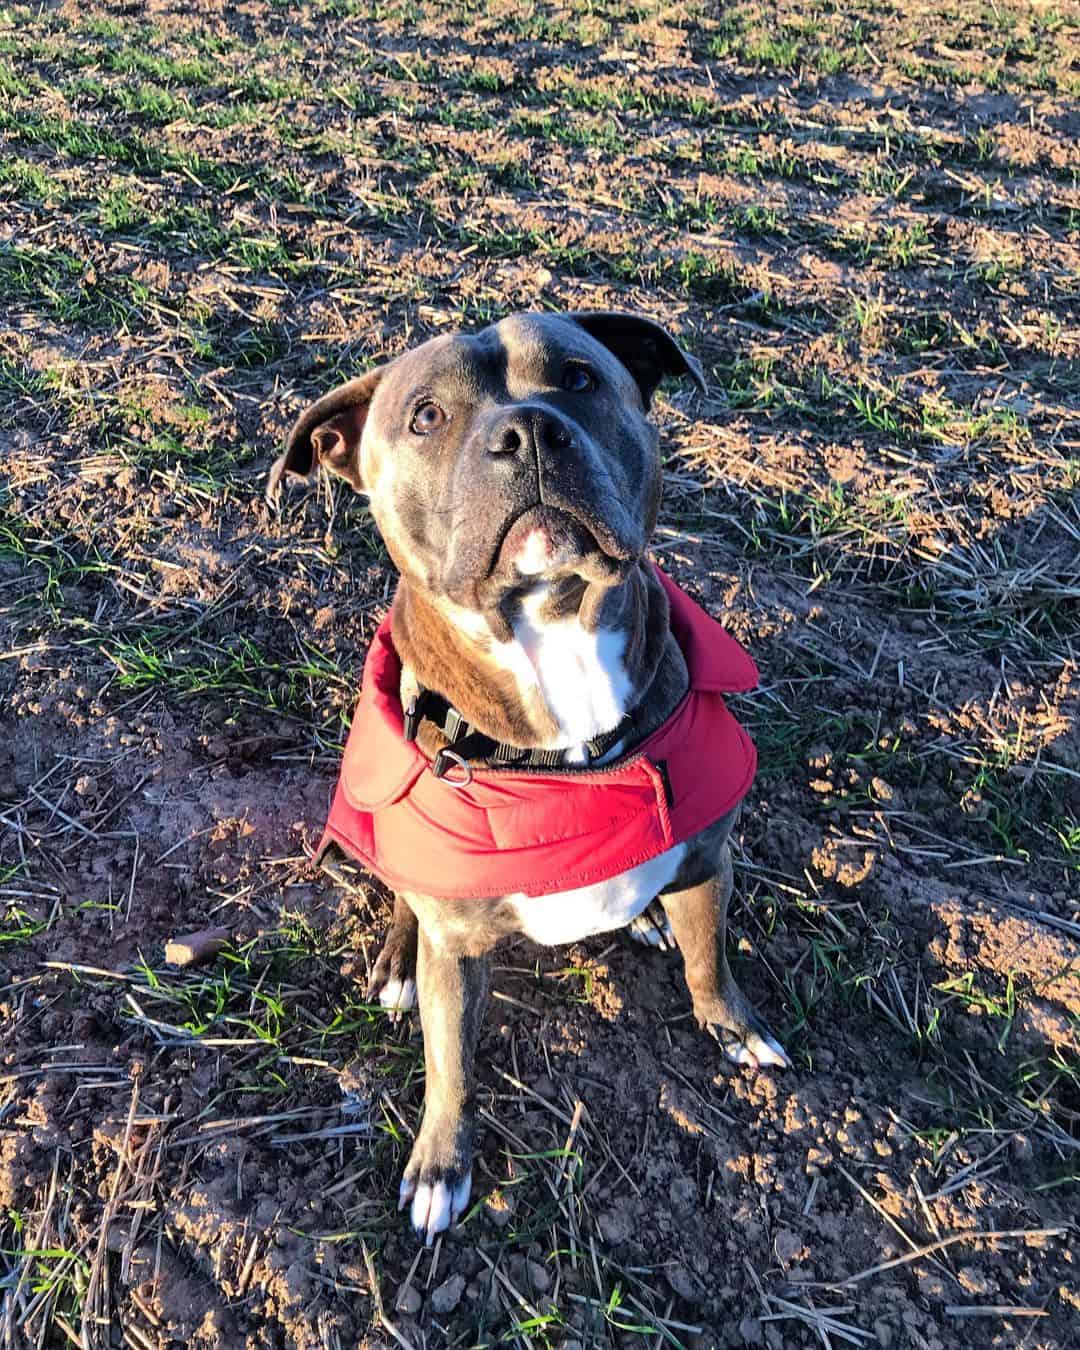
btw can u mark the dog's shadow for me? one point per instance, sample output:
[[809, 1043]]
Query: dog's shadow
[[621, 1157]]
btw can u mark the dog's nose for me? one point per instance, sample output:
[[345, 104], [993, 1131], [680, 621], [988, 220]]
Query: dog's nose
[[528, 429]]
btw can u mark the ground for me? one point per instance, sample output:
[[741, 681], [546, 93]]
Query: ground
[[865, 220]]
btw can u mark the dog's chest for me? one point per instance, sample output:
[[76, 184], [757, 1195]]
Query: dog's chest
[[582, 679], [572, 915], [580, 675]]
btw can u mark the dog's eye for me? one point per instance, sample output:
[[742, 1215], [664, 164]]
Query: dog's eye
[[427, 418], [578, 379]]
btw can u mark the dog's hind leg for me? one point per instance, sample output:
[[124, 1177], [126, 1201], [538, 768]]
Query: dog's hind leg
[[393, 978], [453, 994], [699, 920]]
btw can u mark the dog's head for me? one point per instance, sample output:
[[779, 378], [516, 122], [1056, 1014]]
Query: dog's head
[[495, 458]]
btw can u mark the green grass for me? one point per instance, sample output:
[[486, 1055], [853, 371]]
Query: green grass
[[257, 1000], [237, 671], [49, 563], [70, 290], [19, 925], [18, 380]]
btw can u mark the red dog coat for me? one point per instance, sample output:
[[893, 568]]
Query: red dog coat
[[538, 832]]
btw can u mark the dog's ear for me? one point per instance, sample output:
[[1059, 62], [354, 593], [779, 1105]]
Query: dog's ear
[[327, 434], [647, 350]]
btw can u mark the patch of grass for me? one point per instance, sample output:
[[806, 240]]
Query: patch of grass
[[1066, 831], [69, 290], [249, 345], [19, 381], [30, 182], [120, 210], [783, 737], [18, 924], [82, 140], [164, 69], [776, 53], [237, 670], [47, 560], [258, 997], [56, 1276], [1001, 1008], [894, 246], [11, 84]]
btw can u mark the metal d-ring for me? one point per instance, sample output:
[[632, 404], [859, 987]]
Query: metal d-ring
[[447, 753]]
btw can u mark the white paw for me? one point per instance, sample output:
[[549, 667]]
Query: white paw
[[755, 1051], [435, 1206], [653, 930], [398, 996], [768, 1053]]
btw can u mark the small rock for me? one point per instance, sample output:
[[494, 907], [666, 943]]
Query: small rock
[[499, 1208], [751, 1332], [408, 1299], [299, 1281], [971, 1279], [615, 1226], [479, 1287], [196, 948], [682, 1282], [538, 1277], [683, 1195], [448, 1295], [788, 1246]]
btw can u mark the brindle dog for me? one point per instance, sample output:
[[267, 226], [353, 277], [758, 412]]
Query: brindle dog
[[515, 478]]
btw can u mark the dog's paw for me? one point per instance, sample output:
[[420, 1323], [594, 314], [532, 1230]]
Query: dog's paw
[[652, 928], [747, 1040], [393, 979], [439, 1197], [397, 997]]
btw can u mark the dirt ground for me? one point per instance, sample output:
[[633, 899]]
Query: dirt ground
[[865, 220]]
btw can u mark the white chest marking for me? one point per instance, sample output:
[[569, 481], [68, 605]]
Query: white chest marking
[[572, 915], [580, 675]]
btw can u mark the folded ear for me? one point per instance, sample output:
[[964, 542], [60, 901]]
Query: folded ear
[[647, 350], [327, 435]]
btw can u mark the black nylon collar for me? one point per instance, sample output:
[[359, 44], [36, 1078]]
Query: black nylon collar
[[467, 743]]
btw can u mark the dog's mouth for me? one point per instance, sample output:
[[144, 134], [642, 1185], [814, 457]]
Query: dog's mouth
[[541, 540], [546, 541]]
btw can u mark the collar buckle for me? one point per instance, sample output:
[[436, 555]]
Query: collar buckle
[[415, 713]]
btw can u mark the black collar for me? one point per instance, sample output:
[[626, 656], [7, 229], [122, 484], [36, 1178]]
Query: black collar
[[468, 744]]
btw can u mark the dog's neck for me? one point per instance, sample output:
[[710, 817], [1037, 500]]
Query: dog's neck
[[575, 660]]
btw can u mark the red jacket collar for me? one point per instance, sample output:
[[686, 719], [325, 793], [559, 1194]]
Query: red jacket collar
[[714, 660], [378, 768]]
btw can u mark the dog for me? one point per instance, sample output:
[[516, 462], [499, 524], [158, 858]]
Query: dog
[[532, 651]]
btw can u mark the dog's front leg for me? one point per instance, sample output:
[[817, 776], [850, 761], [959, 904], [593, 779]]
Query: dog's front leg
[[698, 918], [453, 991]]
